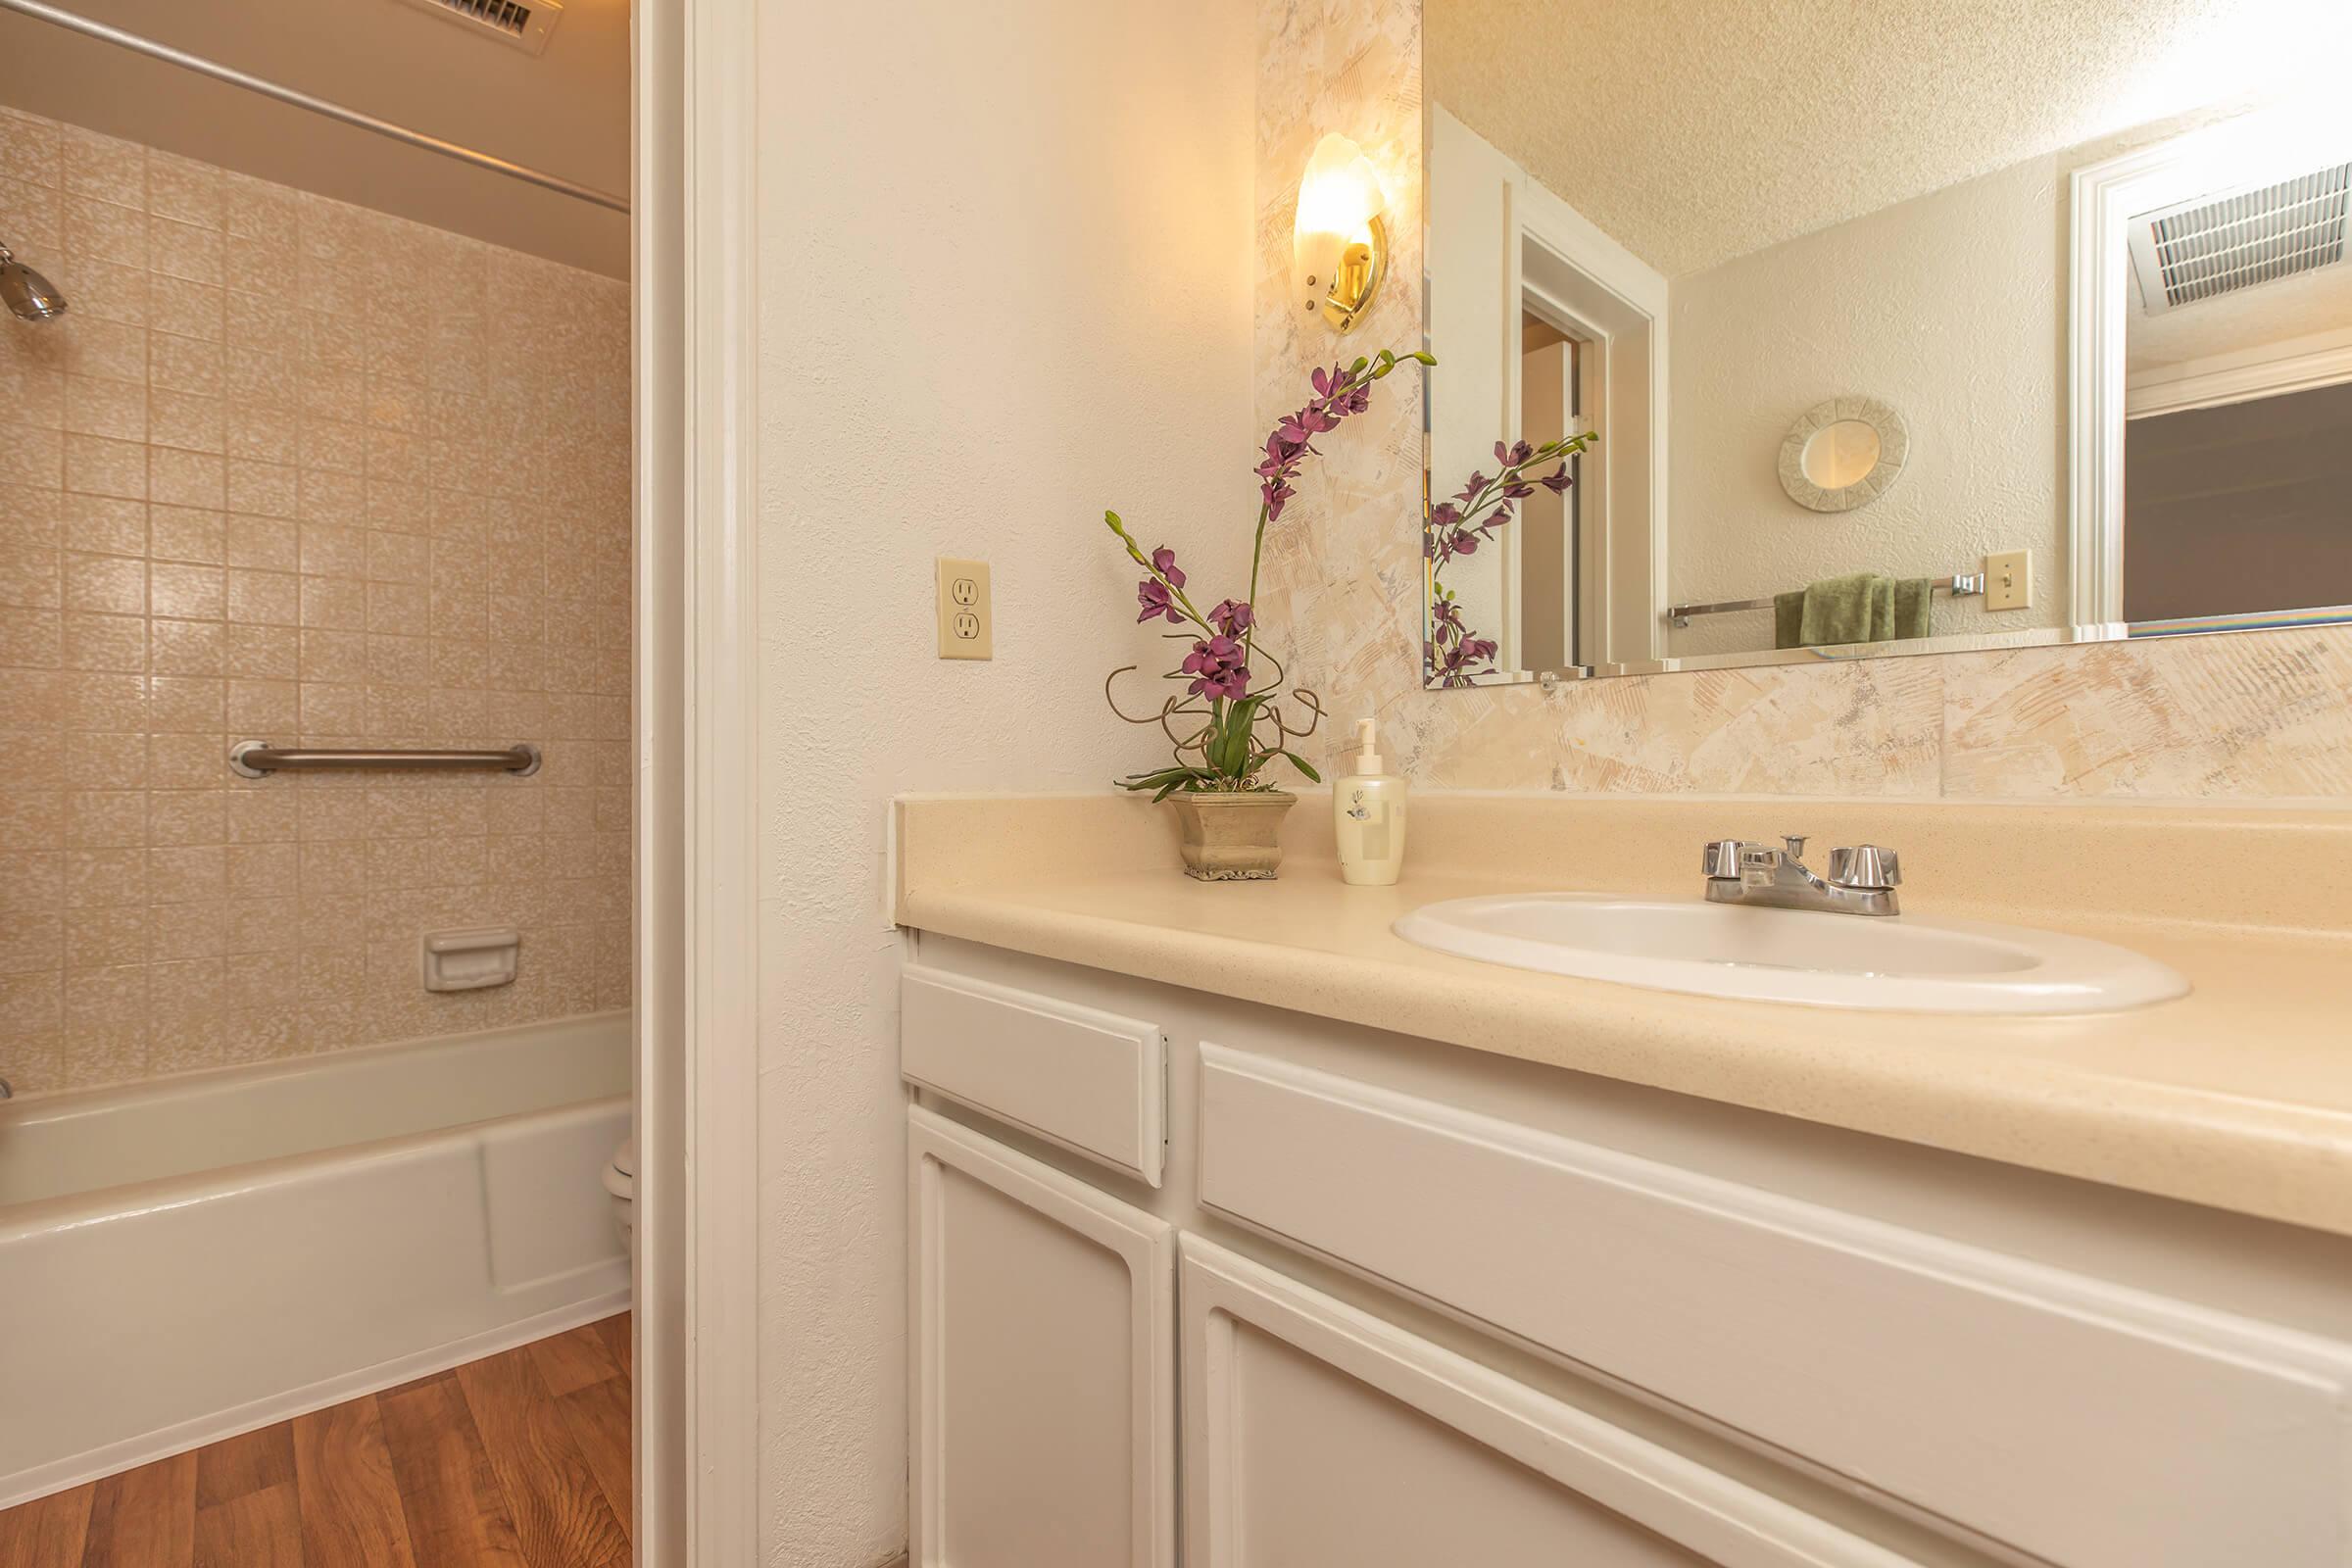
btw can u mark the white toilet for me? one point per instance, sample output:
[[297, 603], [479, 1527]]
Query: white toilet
[[620, 1180]]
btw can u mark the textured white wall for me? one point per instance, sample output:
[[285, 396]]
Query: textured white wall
[[1005, 276], [1952, 308]]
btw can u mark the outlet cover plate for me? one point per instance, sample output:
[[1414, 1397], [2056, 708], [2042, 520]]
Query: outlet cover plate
[[967, 616]]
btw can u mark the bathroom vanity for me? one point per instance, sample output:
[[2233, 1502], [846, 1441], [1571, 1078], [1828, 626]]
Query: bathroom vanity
[[1244, 1233]]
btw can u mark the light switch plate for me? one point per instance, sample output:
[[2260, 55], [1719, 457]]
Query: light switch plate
[[2009, 581], [967, 617]]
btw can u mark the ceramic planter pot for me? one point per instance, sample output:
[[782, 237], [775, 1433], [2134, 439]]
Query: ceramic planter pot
[[1232, 837]]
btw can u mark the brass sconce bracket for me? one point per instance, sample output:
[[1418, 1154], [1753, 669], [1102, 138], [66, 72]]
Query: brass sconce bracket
[[1363, 265]]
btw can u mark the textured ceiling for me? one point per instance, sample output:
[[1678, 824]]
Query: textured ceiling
[[1698, 130], [566, 110]]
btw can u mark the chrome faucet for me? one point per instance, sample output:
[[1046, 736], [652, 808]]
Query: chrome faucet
[[1862, 878]]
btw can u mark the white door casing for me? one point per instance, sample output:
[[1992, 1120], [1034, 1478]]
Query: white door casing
[[2256, 149], [1504, 240], [695, 366]]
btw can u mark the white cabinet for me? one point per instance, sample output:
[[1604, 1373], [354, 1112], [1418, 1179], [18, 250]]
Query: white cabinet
[[1043, 1376], [1315, 1433], [1579, 1325]]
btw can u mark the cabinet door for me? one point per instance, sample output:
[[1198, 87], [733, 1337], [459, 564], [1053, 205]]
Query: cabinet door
[[2069, 1418], [1043, 1387], [1315, 1433]]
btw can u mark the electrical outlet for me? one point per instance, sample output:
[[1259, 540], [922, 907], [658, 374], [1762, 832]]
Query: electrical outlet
[[967, 621], [2009, 581]]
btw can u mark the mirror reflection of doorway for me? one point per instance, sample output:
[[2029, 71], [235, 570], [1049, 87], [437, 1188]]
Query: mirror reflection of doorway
[[1547, 545]]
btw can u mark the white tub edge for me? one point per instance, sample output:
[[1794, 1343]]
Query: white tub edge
[[131, 1452], [39, 1103]]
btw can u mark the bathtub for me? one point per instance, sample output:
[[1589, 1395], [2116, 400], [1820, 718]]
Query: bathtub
[[194, 1258]]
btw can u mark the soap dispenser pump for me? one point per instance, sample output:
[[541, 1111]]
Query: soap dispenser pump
[[1367, 815]]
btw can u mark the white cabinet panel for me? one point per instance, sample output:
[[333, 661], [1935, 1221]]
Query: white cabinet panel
[[1318, 1435], [2084, 1422], [1043, 1385], [1087, 1080]]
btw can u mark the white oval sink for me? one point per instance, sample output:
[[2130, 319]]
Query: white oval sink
[[1898, 962]]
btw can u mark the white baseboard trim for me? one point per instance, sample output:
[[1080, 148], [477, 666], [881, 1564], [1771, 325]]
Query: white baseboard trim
[[131, 1452]]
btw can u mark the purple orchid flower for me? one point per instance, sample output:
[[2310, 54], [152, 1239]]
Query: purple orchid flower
[[1153, 595], [1338, 393], [1557, 483], [1232, 618], [1216, 666]]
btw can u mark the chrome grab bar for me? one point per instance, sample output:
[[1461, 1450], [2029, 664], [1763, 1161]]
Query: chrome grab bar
[[259, 758]]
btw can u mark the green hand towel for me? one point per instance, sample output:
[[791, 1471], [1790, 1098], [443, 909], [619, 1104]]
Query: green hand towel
[[1788, 618], [1857, 607], [1861, 606], [1912, 598]]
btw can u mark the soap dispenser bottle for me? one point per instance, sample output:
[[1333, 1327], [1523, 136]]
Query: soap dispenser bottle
[[1367, 811]]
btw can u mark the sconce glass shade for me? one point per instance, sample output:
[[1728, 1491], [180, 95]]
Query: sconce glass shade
[[1340, 246]]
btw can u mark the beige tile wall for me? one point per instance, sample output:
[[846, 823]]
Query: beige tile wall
[[2255, 715], [296, 470]]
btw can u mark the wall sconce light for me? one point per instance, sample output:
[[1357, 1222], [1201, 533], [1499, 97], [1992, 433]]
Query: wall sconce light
[[1340, 247]]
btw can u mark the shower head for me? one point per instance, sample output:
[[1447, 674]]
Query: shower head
[[27, 292]]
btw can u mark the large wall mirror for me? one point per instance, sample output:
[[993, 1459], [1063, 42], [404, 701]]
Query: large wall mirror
[[1909, 330]]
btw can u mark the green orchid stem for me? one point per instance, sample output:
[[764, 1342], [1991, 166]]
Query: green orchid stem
[[1257, 550]]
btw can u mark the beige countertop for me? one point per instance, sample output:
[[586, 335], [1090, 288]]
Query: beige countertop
[[2238, 1095]]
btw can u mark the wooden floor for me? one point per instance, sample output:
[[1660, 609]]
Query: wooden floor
[[521, 1460]]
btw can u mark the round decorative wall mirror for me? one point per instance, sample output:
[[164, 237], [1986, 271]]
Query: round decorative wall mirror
[[1843, 454]]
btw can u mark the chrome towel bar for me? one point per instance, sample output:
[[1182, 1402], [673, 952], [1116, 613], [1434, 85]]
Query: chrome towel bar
[[1959, 585], [258, 758]]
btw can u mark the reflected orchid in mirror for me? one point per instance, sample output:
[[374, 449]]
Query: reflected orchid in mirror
[[1455, 655], [1227, 725]]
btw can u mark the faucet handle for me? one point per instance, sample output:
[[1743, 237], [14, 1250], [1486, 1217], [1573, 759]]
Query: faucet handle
[[1721, 861], [1865, 865]]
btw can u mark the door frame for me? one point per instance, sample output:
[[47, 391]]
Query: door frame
[[2253, 150], [695, 362]]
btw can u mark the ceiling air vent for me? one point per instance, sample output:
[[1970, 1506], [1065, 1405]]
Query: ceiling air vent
[[2203, 249], [526, 25]]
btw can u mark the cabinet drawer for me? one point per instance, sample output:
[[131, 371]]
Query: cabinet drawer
[[1090, 1081], [2087, 1423], [1317, 1433]]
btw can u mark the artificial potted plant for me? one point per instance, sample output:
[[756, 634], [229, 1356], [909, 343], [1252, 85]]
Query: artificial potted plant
[[1231, 722]]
